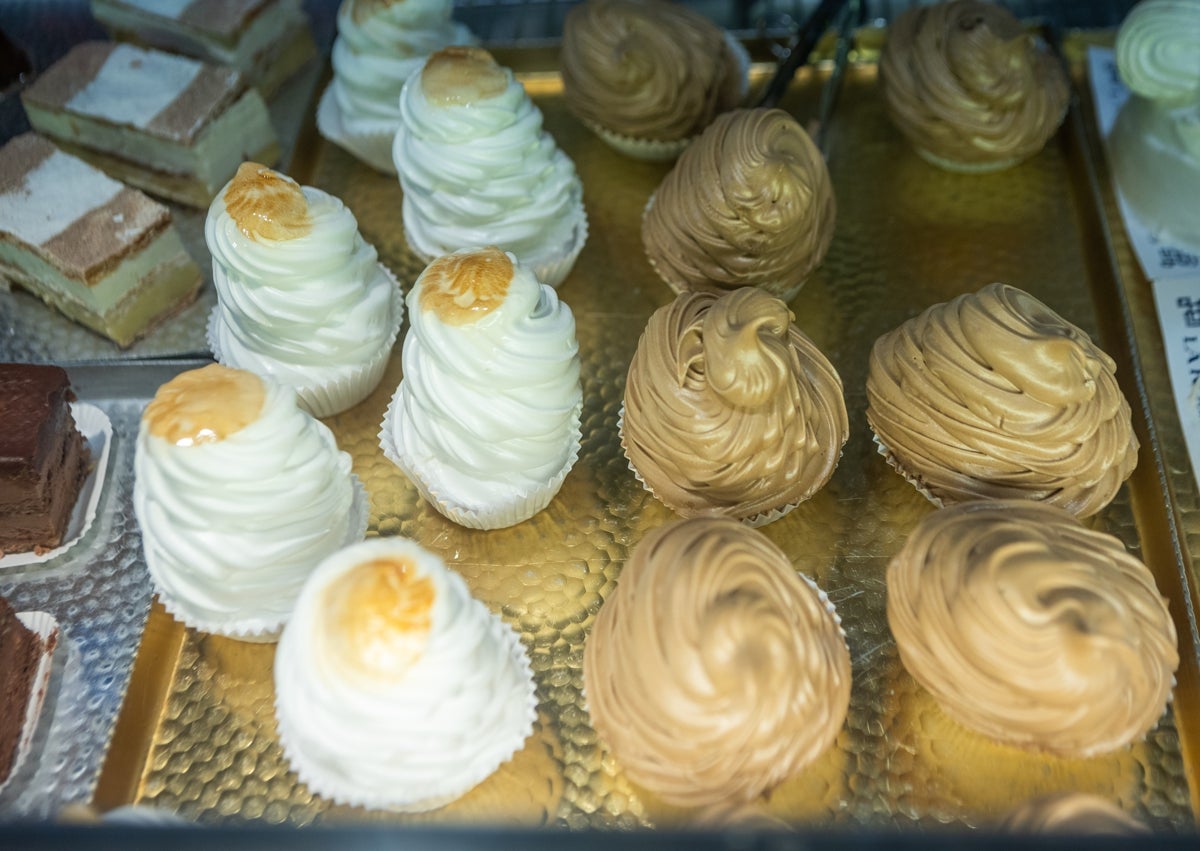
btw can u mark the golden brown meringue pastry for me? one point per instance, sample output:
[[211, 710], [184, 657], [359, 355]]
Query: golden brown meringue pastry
[[715, 671], [648, 69], [729, 408], [1075, 813], [995, 395], [749, 203], [1032, 629], [969, 87]]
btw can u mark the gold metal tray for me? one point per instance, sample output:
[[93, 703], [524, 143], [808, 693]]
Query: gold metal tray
[[197, 734]]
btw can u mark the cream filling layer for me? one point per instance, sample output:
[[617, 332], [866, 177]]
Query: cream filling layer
[[243, 128]]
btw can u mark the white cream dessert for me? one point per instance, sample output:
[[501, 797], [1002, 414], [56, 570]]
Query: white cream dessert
[[478, 168], [301, 296], [101, 252], [267, 40], [486, 419], [173, 126], [379, 45], [239, 495], [394, 687], [1155, 142]]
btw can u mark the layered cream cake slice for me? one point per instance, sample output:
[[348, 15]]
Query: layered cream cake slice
[[267, 40], [104, 254], [171, 125]]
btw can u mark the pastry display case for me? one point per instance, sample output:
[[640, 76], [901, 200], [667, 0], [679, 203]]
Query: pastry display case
[[151, 730]]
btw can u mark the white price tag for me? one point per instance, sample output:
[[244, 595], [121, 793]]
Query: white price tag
[[1178, 304], [1159, 258]]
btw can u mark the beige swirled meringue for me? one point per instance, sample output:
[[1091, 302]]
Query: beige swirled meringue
[[1075, 813], [647, 69], [995, 395], [969, 87], [1155, 142], [750, 203], [743, 685], [1032, 629], [730, 408]]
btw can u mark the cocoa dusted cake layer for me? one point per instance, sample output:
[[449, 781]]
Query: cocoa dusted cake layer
[[20, 649], [104, 254], [267, 40], [171, 125], [43, 457]]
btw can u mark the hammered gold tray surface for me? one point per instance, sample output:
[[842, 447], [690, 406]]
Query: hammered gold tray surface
[[198, 734]]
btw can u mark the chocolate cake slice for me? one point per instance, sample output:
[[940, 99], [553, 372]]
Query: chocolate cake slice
[[105, 254], [267, 40], [20, 652], [171, 125], [43, 457]]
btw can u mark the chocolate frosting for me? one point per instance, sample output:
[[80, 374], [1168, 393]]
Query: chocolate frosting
[[749, 203], [1032, 629], [967, 85], [730, 408], [647, 68], [715, 671], [995, 395], [1075, 813]]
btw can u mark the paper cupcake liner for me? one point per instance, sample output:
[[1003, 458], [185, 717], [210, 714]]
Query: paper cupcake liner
[[657, 150], [46, 628], [336, 788], [373, 148], [97, 433], [519, 507], [257, 629], [899, 468], [754, 521], [551, 270], [342, 389], [967, 168]]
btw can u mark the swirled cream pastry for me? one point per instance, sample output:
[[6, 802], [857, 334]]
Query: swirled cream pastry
[[478, 168], [1155, 142], [1032, 629], [648, 75], [750, 203], [379, 45], [730, 408], [995, 395], [239, 495], [1076, 813], [301, 297], [395, 688], [746, 681], [969, 87], [486, 419]]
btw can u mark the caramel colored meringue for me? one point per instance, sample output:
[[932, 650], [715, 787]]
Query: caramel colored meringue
[[749, 203], [969, 87], [730, 408], [1032, 629], [647, 69], [995, 395], [715, 671], [1074, 813]]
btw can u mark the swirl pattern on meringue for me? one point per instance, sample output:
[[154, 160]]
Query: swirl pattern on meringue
[[995, 395], [730, 408], [969, 87], [745, 683], [1074, 813], [239, 494], [1158, 51], [647, 69], [749, 203], [1032, 629], [478, 168]]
